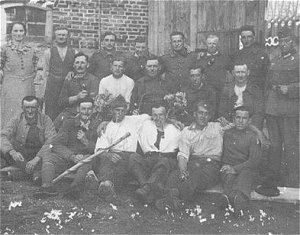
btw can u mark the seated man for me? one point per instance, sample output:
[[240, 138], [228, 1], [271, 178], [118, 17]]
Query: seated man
[[242, 93], [117, 83], [159, 142], [150, 88], [75, 88], [75, 141], [113, 167], [198, 90], [200, 149], [240, 160], [26, 137]]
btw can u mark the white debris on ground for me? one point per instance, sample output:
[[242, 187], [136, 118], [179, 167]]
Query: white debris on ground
[[14, 204]]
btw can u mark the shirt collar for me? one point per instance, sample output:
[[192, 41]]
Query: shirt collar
[[216, 53], [38, 122], [175, 54]]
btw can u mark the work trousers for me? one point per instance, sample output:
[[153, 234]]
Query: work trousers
[[284, 150], [154, 166], [242, 182], [54, 164], [118, 173], [204, 173]]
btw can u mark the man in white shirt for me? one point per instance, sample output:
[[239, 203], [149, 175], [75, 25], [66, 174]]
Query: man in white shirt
[[159, 142], [117, 83], [113, 167]]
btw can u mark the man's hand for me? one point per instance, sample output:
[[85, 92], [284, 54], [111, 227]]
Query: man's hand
[[69, 76], [16, 156], [227, 169], [31, 165], [82, 94], [102, 128], [82, 137], [114, 157], [265, 143], [179, 125], [223, 121]]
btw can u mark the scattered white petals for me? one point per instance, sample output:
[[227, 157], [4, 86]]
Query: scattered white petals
[[113, 206], [202, 220], [251, 218], [14, 204], [110, 217], [212, 216], [235, 225]]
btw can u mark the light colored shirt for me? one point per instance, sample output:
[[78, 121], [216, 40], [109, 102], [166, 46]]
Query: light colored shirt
[[207, 142], [117, 86], [115, 130], [148, 137], [239, 93]]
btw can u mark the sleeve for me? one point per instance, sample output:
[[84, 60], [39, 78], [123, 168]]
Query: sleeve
[[94, 89], [102, 142], [258, 109], [50, 134], [3, 58], [254, 156], [92, 64], [129, 90], [101, 87], [184, 145], [60, 141], [7, 133], [63, 99], [134, 97]]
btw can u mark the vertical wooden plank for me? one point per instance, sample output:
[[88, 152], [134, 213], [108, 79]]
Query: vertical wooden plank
[[151, 35], [193, 24], [161, 26]]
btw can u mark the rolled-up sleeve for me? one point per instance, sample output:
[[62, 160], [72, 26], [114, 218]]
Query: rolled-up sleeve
[[184, 144], [6, 135]]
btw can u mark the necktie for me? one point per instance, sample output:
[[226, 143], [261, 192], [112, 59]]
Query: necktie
[[160, 135]]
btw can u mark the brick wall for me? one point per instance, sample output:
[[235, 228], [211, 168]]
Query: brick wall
[[89, 19]]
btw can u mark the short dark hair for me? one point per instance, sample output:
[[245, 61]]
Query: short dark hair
[[159, 105], [243, 108], [30, 98], [81, 54], [194, 67], [119, 58], [62, 28], [205, 104], [175, 33], [109, 33], [86, 99], [20, 23], [153, 57], [247, 28]]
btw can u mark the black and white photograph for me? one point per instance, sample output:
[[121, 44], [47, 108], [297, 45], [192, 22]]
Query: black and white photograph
[[149, 117]]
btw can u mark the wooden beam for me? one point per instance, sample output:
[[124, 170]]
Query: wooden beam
[[193, 24]]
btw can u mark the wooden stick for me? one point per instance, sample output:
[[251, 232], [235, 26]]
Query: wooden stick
[[88, 159]]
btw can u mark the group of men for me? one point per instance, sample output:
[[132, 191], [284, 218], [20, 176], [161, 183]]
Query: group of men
[[228, 100]]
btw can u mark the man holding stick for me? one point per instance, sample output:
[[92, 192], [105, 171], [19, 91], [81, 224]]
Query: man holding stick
[[75, 141]]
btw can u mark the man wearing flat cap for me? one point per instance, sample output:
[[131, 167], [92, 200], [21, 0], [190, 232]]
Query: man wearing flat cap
[[254, 56], [282, 115]]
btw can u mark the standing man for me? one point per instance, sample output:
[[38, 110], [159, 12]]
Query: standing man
[[26, 137], [216, 65], [117, 83], [100, 61], [58, 61], [81, 85], [75, 141], [135, 66], [149, 89], [240, 161], [242, 92], [176, 64], [282, 115], [254, 56]]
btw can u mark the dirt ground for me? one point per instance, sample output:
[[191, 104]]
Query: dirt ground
[[22, 214]]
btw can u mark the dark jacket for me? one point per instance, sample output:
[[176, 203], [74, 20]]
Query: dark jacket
[[283, 71], [252, 99], [17, 129]]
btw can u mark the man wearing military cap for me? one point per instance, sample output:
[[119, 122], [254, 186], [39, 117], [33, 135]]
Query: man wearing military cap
[[282, 115], [253, 55]]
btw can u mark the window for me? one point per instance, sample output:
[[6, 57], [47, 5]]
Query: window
[[34, 19]]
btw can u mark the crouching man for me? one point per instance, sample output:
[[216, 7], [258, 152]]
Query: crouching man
[[75, 141], [159, 142], [25, 139], [240, 160], [200, 149]]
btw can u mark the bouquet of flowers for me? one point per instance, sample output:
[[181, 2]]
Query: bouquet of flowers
[[176, 103], [102, 101]]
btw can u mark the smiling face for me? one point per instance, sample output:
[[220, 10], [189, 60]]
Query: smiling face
[[159, 116], [17, 32], [85, 111], [80, 64], [241, 119], [241, 73], [109, 42], [61, 37], [152, 68], [177, 42], [212, 45], [247, 38], [30, 108]]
